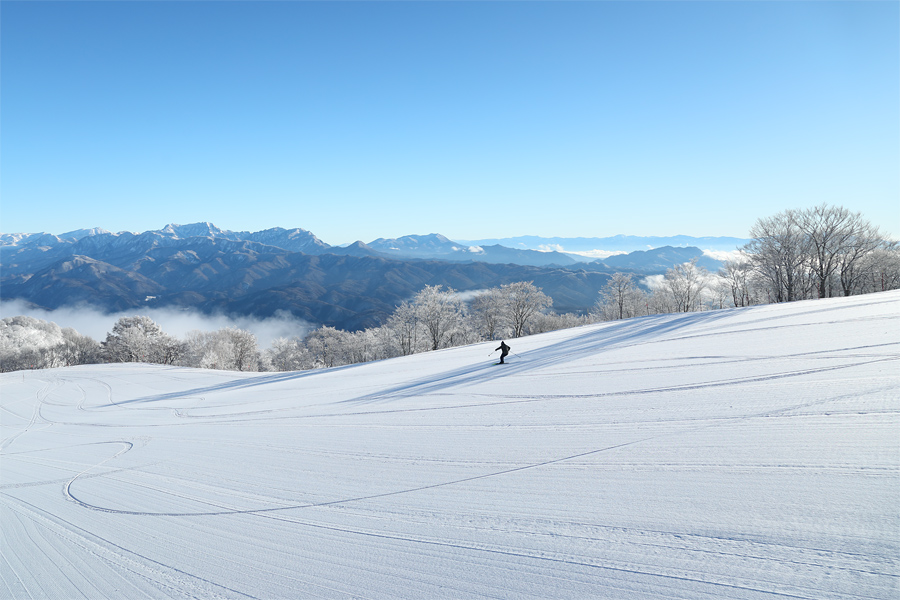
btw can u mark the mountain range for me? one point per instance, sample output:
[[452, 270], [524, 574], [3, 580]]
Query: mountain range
[[203, 267]]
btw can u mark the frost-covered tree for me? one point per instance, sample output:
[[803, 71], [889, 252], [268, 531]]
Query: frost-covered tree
[[368, 345], [660, 302], [80, 349], [199, 350], [287, 355], [405, 327], [244, 349], [327, 347], [229, 349], [544, 322], [29, 343], [488, 314], [718, 294], [386, 343], [685, 284], [523, 301], [440, 313], [621, 298], [140, 339]]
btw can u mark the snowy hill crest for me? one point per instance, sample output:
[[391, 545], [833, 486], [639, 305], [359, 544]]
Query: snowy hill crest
[[740, 453]]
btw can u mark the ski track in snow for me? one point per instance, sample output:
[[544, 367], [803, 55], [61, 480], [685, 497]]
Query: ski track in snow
[[747, 453]]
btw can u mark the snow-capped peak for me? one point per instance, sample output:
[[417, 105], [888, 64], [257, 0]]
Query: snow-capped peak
[[81, 233], [204, 229]]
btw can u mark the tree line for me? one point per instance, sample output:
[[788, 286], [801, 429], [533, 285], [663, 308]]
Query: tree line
[[797, 254], [435, 318]]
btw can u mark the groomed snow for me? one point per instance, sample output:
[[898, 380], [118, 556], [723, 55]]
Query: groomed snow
[[750, 453]]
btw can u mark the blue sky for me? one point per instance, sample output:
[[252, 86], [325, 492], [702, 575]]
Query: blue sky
[[364, 120]]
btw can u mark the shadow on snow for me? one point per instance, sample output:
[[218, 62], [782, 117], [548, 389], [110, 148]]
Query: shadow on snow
[[594, 341]]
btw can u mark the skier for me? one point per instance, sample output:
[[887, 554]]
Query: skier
[[504, 351]]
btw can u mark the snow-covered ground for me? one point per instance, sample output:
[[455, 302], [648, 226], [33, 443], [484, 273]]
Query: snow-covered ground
[[750, 453]]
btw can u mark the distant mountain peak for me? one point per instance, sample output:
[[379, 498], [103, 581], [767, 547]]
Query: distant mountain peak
[[81, 233], [203, 229], [295, 240], [431, 241]]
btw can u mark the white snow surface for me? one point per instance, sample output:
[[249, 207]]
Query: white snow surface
[[748, 453]]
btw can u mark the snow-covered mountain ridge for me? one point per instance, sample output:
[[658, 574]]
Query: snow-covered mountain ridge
[[345, 287], [205, 268], [528, 250], [420, 246], [295, 240], [745, 453]]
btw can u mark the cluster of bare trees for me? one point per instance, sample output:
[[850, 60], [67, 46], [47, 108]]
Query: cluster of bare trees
[[820, 252], [684, 288]]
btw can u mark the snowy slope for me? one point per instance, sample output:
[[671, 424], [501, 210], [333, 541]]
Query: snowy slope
[[747, 453]]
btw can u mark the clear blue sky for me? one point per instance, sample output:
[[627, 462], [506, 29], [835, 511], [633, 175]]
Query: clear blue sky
[[364, 120]]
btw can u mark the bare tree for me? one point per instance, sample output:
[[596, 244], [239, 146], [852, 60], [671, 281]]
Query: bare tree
[[860, 254], [813, 252], [879, 271], [837, 239], [779, 253]]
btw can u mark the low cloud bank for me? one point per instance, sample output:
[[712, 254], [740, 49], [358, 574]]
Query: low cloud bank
[[653, 282], [96, 324], [469, 295], [725, 255], [593, 254]]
